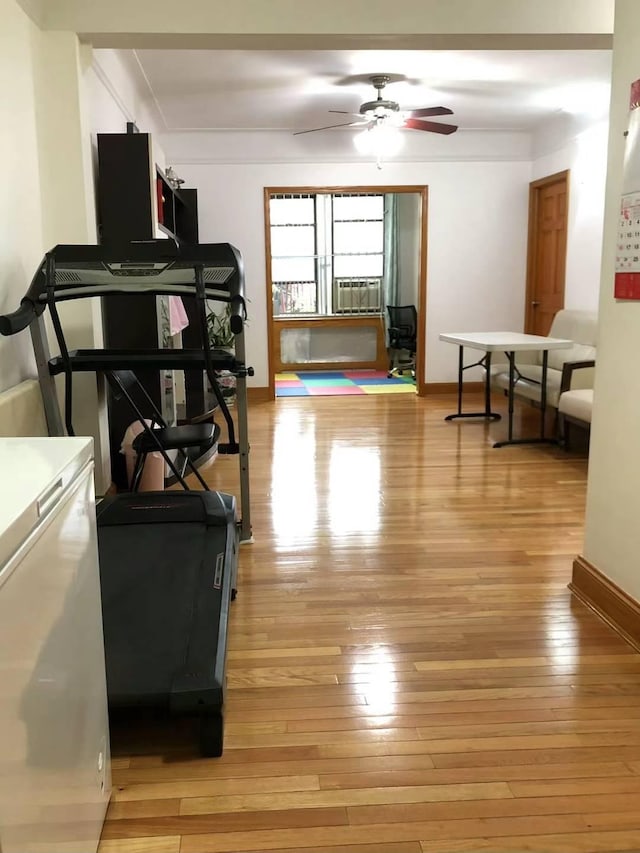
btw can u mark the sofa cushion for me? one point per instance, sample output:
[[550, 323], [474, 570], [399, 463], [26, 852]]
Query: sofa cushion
[[577, 404], [578, 326]]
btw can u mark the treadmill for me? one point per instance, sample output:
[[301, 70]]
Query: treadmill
[[168, 560]]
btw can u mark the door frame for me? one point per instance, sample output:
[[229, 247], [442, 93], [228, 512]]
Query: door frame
[[422, 191], [532, 243]]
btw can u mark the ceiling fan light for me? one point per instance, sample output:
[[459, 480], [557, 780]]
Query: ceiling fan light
[[363, 141], [381, 140]]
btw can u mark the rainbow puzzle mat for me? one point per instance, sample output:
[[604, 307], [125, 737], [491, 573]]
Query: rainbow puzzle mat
[[339, 383]]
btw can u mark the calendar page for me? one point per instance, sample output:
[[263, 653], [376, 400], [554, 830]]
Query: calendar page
[[627, 277]]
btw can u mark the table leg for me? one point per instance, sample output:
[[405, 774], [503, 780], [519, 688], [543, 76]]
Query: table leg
[[512, 381], [543, 392], [486, 364], [543, 405], [487, 384], [460, 374]]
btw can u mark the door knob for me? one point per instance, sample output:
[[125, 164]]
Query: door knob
[[535, 304]]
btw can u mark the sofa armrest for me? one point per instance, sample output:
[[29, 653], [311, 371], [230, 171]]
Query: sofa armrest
[[568, 369]]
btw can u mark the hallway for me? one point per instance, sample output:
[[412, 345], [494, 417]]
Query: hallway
[[407, 671]]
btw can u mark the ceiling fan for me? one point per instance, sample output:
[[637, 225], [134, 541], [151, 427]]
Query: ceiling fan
[[381, 112]]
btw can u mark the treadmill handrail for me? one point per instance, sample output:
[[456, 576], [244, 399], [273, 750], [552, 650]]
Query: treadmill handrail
[[88, 290], [16, 321], [30, 308], [200, 271], [156, 267]]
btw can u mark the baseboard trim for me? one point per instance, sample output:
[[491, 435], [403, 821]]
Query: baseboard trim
[[612, 604], [452, 387], [259, 395]]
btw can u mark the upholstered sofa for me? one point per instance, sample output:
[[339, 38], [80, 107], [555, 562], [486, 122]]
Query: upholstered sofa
[[574, 407], [567, 369]]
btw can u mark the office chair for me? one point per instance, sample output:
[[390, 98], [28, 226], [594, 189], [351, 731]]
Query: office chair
[[159, 437], [403, 325]]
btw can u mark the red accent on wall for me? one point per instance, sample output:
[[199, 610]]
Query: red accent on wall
[[160, 201], [627, 285]]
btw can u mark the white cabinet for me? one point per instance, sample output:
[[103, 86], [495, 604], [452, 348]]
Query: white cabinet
[[54, 741]]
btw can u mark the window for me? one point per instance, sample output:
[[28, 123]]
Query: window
[[358, 236], [293, 254], [327, 253]]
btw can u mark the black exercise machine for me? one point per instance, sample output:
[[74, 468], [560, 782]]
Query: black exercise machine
[[168, 563], [168, 560]]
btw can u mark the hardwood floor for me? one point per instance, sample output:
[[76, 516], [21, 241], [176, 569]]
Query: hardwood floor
[[407, 670]]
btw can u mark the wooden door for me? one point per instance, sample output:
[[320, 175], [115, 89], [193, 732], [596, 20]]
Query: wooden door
[[548, 206]]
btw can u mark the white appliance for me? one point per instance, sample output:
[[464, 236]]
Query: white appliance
[[55, 774], [356, 295]]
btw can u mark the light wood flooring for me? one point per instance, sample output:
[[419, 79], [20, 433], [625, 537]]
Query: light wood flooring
[[407, 671]]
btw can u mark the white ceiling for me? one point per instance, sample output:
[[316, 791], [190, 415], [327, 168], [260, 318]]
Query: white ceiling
[[294, 90]]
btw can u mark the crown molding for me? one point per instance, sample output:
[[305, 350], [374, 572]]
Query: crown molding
[[248, 147], [35, 10], [134, 73], [562, 133], [106, 81], [212, 160]]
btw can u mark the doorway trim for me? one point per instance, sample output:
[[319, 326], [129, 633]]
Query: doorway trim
[[532, 242], [423, 192]]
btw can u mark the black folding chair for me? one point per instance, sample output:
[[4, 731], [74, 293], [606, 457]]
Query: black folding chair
[[403, 326], [158, 436]]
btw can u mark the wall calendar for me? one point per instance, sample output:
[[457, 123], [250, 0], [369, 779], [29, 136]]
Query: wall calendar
[[627, 277]]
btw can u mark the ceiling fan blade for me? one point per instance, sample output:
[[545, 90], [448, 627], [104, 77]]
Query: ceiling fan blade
[[431, 126], [328, 127], [430, 111]]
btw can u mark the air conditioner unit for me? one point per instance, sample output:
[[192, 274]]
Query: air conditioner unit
[[357, 295]]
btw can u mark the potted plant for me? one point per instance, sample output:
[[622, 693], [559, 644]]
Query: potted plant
[[221, 338], [219, 328]]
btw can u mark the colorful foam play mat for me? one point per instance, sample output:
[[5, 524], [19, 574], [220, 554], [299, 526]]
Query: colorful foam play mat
[[339, 383]]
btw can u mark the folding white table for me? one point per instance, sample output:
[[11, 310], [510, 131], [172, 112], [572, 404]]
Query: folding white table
[[509, 343]]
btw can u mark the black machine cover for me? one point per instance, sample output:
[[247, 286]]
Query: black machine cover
[[167, 569]]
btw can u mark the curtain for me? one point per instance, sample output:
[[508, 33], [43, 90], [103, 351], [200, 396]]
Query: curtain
[[390, 274]]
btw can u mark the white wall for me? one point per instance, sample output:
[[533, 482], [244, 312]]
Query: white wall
[[44, 199], [67, 208], [21, 243], [585, 155], [477, 238], [613, 501], [478, 214], [46, 196]]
